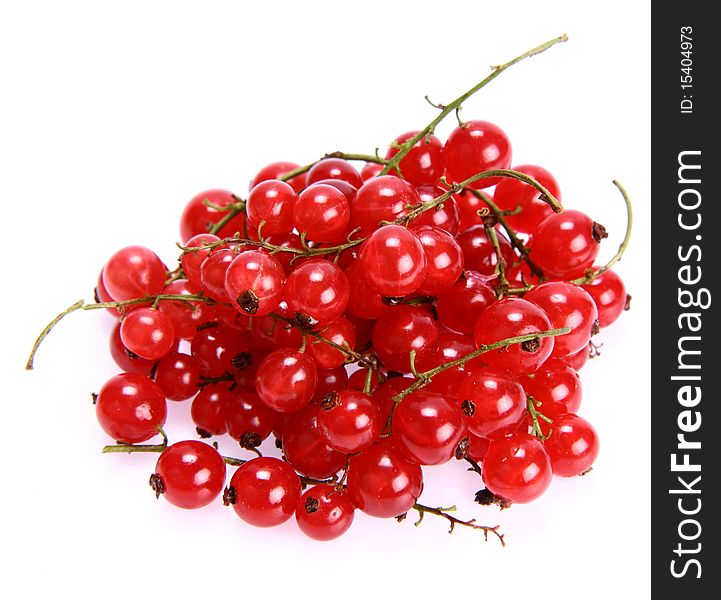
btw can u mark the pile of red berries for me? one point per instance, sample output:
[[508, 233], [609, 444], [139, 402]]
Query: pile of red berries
[[435, 306]]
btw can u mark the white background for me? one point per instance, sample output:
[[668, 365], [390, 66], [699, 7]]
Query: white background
[[114, 114]]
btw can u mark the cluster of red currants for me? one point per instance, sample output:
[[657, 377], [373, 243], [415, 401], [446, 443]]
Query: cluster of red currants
[[436, 305]]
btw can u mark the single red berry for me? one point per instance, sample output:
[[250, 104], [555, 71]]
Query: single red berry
[[530, 217], [557, 387], [401, 330], [609, 294], [247, 419], [460, 306], [189, 474], [324, 512], [479, 253], [423, 164], [572, 446], [578, 359], [208, 409], [323, 213], [133, 272], [349, 421], [254, 283], [191, 260], [265, 491], [342, 333], [370, 170], [517, 468], [215, 347], [286, 379], [383, 198], [330, 380], [200, 215], [148, 333], [451, 346], [511, 194], [444, 259], [382, 482], [317, 289], [383, 394], [178, 376], [271, 203], [186, 315], [444, 216], [212, 273], [478, 447], [363, 302], [131, 408], [124, 358], [334, 168], [279, 169], [474, 147]]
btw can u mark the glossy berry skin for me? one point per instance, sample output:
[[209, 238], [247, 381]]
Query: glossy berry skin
[[334, 168], [215, 347], [266, 491], [383, 198], [474, 147], [363, 302], [566, 244], [451, 346], [198, 217], [192, 474], [444, 259], [286, 379], [557, 386], [428, 427], [478, 447], [468, 206], [247, 419], [178, 376], [254, 283], [511, 317], [383, 394], [460, 306], [208, 409], [323, 213], [278, 169], [348, 190], [271, 202], [513, 193], [187, 315], [609, 295], [272, 334], [133, 272], [444, 216], [577, 360], [318, 289], [423, 165], [212, 273], [102, 295], [349, 421], [567, 305], [393, 261], [126, 360], [517, 468], [478, 251], [402, 329], [494, 405], [572, 446], [306, 449], [528, 220], [191, 261], [324, 512], [382, 482], [148, 333], [130, 408], [340, 332], [370, 170], [330, 380]]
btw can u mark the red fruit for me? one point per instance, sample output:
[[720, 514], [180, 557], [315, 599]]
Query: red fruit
[[148, 333], [383, 198], [578, 359], [279, 169], [254, 283], [185, 315], [264, 491], [383, 394], [208, 409], [428, 427], [102, 295], [423, 164], [444, 259], [212, 273], [215, 347], [402, 329], [363, 302], [382, 482], [124, 358], [572, 445], [478, 447], [474, 147], [323, 213], [513, 193], [330, 380], [271, 203], [349, 421], [393, 261], [342, 333], [191, 261], [286, 380], [444, 216], [317, 289], [459, 307], [133, 272], [370, 170], [189, 474], [334, 168], [451, 346], [609, 295], [479, 253], [198, 217], [131, 408], [324, 512], [178, 376], [517, 468], [247, 419], [557, 387]]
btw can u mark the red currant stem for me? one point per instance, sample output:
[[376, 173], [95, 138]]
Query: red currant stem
[[591, 275], [422, 509], [80, 305], [446, 109], [512, 236], [457, 187], [174, 275], [474, 465], [532, 407], [374, 158], [368, 381], [500, 269], [231, 210]]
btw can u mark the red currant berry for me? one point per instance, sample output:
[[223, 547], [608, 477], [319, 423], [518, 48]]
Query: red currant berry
[[349, 421], [474, 147], [468, 206], [247, 419], [393, 261], [478, 447], [334, 168], [428, 427], [178, 376], [330, 380], [572, 445], [215, 346], [212, 273], [532, 215], [279, 169], [451, 346], [272, 334], [557, 387], [444, 259], [363, 302], [191, 260], [133, 272], [348, 190], [566, 244], [401, 330], [511, 317], [342, 333], [479, 253], [102, 295], [567, 305], [577, 360], [189, 474], [264, 492], [513, 193], [131, 408], [199, 215], [383, 198], [254, 283], [323, 213], [124, 358], [185, 315], [459, 307], [148, 333], [286, 379], [444, 216], [383, 394], [208, 409], [517, 468], [494, 405], [318, 289], [306, 449], [271, 203], [382, 482], [609, 294], [324, 512], [423, 164]]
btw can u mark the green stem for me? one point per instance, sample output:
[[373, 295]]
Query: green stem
[[445, 110], [232, 210], [422, 510], [500, 269]]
